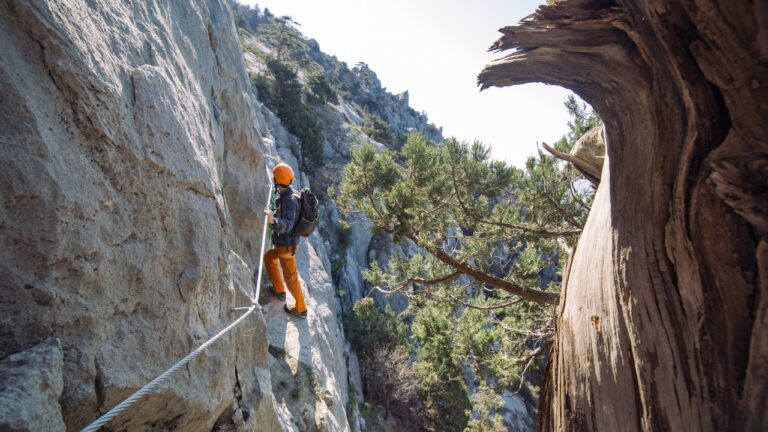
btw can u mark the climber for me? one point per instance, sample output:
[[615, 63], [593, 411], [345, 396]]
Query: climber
[[285, 241]]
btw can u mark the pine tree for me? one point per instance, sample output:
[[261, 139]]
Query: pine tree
[[464, 209], [282, 92], [491, 240], [281, 32]]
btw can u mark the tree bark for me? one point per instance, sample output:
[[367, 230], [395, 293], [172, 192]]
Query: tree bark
[[664, 312]]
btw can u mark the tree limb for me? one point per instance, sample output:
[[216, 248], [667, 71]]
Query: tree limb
[[577, 197], [539, 231], [528, 361], [512, 288], [417, 279], [486, 308], [564, 214]]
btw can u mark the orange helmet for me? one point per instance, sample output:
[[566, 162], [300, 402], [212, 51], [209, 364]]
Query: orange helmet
[[283, 174]]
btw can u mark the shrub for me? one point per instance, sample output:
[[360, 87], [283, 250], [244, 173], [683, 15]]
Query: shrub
[[379, 130], [320, 92], [282, 93], [381, 344]]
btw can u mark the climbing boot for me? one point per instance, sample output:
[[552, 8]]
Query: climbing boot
[[292, 311], [280, 296]]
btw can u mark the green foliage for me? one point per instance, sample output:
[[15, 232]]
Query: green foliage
[[498, 346], [491, 234], [353, 405], [530, 264], [582, 120], [554, 192], [265, 89], [433, 331], [239, 18], [380, 342], [282, 92], [340, 77], [338, 262], [379, 130], [313, 383], [396, 197], [281, 33], [439, 370], [246, 17], [485, 402], [320, 91], [453, 196], [367, 328], [295, 393], [345, 234]]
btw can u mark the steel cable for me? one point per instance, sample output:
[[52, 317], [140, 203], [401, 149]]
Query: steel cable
[[155, 383]]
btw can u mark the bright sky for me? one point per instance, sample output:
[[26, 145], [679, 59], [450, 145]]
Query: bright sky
[[435, 50]]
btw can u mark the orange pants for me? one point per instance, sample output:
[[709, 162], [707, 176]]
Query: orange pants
[[288, 264]]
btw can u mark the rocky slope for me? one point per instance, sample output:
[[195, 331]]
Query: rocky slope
[[312, 369], [346, 124]]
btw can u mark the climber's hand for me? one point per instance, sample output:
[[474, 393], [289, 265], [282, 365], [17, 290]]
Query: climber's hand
[[270, 215]]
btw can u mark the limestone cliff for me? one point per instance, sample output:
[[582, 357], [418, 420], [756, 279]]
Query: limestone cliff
[[132, 178]]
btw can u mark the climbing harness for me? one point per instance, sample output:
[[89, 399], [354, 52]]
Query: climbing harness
[[157, 382]]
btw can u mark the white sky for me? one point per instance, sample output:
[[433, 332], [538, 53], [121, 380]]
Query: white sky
[[435, 50]]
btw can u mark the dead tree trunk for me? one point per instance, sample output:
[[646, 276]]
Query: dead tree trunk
[[664, 315]]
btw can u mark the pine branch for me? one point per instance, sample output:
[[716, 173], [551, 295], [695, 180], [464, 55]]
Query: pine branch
[[528, 361], [563, 213], [538, 231], [369, 194], [486, 308], [416, 279], [577, 196], [464, 268]]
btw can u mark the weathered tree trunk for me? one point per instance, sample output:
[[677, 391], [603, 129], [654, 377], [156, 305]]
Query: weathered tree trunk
[[664, 317]]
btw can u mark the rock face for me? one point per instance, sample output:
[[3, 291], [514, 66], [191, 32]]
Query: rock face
[[308, 359], [130, 173], [30, 387], [664, 313]]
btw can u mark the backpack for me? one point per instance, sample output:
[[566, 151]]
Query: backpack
[[309, 214]]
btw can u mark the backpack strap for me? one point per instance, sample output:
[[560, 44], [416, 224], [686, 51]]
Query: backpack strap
[[297, 198]]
